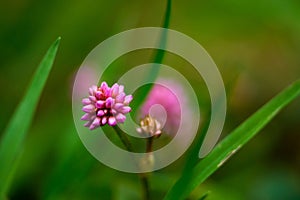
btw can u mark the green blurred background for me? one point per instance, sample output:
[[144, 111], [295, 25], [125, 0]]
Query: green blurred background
[[255, 44]]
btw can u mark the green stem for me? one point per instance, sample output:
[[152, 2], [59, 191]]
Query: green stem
[[145, 184], [149, 144], [143, 176], [124, 139], [157, 58]]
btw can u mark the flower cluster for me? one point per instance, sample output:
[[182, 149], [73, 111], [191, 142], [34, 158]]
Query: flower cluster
[[105, 105]]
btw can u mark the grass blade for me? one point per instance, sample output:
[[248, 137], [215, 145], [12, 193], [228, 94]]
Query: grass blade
[[14, 135], [158, 58], [227, 147], [204, 196]]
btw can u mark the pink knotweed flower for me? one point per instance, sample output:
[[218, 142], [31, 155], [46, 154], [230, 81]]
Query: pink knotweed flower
[[105, 105], [166, 95]]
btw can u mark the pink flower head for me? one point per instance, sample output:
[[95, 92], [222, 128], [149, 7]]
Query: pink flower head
[[166, 95], [105, 105]]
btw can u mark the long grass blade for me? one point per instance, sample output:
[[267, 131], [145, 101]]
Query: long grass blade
[[15, 133], [233, 142], [158, 58]]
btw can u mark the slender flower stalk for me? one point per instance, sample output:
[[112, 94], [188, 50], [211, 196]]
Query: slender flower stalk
[[124, 139], [149, 160], [143, 176], [149, 144], [146, 187], [150, 127]]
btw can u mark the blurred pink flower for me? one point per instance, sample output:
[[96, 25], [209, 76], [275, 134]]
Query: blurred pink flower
[[105, 105], [165, 94]]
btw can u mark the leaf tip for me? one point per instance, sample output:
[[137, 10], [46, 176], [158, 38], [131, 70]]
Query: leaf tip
[[57, 41]]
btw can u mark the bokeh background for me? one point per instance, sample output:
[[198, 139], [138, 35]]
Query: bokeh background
[[255, 44]]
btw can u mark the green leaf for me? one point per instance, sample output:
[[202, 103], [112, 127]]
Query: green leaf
[[204, 196], [234, 141], [15, 133], [193, 152], [158, 58]]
